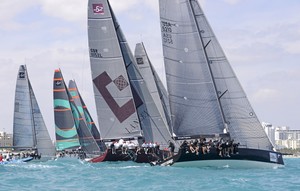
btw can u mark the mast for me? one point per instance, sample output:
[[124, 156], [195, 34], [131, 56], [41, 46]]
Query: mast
[[208, 63]]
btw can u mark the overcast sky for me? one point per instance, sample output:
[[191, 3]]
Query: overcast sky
[[261, 39]]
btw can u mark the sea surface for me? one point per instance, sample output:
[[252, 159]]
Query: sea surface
[[73, 174]]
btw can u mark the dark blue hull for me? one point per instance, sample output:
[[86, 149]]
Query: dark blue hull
[[244, 158]]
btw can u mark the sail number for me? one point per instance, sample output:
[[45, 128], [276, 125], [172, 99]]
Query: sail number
[[94, 53], [166, 29]]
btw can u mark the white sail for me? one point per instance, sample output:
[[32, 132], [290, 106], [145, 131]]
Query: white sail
[[116, 109], [44, 144], [23, 117], [29, 129], [198, 70], [154, 84], [147, 74], [164, 97]]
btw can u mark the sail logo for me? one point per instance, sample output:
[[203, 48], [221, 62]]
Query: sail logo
[[58, 83], [94, 53], [121, 112], [21, 74], [98, 9], [139, 61]]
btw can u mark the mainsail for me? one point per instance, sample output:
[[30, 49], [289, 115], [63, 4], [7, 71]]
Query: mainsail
[[124, 104], [65, 129], [154, 84], [29, 129], [116, 110], [205, 94], [163, 94]]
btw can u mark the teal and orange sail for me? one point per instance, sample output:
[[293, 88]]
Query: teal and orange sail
[[65, 128], [82, 109], [86, 139]]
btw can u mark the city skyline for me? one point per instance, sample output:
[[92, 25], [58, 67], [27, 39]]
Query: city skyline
[[261, 41]]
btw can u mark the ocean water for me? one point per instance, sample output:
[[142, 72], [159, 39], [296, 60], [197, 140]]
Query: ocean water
[[73, 174]]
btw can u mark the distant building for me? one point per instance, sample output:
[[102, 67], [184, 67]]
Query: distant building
[[6, 139], [270, 130], [282, 137]]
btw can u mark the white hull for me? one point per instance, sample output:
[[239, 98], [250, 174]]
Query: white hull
[[227, 164]]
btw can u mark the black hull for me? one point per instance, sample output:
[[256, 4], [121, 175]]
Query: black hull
[[131, 155], [117, 156], [244, 158], [151, 157]]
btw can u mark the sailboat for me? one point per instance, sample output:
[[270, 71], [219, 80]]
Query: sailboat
[[29, 129], [206, 98], [87, 143], [125, 107]]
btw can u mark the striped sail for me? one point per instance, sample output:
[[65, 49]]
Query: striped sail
[[86, 139], [82, 108], [29, 129], [65, 129], [194, 58], [109, 51]]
